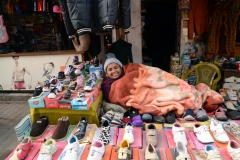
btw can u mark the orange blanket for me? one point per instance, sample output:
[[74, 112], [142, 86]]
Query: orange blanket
[[152, 90]]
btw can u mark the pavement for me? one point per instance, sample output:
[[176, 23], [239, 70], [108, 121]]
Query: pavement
[[13, 107]]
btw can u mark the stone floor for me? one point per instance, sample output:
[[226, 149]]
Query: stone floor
[[11, 112]]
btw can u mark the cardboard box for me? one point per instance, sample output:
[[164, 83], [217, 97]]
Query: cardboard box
[[137, 137], [85, 105], [94, 93], [38, 102], [23, 128], [66, 103], [52, 102]]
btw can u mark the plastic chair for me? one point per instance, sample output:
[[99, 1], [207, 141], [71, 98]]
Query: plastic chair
[[205, 73]]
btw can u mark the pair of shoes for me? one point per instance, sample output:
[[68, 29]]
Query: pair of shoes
[[61, 129], [47, 150], [212, 153], [151, 135], [220, 115], [53, 93], [128, 134], [150, 152], [202, 133], [218, 132], [135, 116], [201, 115], [22, 149], [189, 115], [105, 133], [38, 91], [170, 118], [39, 127], [81, 128], [71, 149], [113, 117], [179, 134], [233, 149]]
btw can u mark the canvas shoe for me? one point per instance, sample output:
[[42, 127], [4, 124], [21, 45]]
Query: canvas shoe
[[189, 115], [117, 118], [47, 150], [233, 149], [79, 69], [39, 127], [181, 151], [71, 150], [81, 128], [170, 118], [124, 152], [21, 151], [220, 115], [46, 86], [235, 130], [128, 134], [218, 132], [178, 132], [68, 69], [108, 116], [61, 129], [53, 93], [89, 85], [202, 133], [151, 135], [38, 91], [212, 153], [150, 152], [201, 115], [105, 133], [97, 151]]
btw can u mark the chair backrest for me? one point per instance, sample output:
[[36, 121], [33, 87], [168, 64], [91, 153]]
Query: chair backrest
[[205, 73]]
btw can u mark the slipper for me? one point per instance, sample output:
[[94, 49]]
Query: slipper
[[230, 106]]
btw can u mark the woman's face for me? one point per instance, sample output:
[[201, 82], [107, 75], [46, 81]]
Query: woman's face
[[113, 70]]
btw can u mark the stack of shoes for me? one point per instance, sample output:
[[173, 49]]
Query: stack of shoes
[[212, 153], [46, 86], [47, 150], [189, 115], [97, 151], [81, 128], [61, 129], [124, 152], [71, 149], [105, 133], [201, 115], [128, 134], [150, 152], [39, 127], [53, 93], [38, 91], [136, 117], [170, 118], [151, 135], [21, 151]]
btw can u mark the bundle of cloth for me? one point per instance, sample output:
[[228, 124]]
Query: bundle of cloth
[[152, 90]]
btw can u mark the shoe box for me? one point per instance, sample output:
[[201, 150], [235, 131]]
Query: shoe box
[[92, 69], [66, 103], [85, 105], [53, 102], [38, 102], [23, 128], [134, 151], [106, 156]]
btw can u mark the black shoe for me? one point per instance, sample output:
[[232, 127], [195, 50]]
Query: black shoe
[[146, 117], [46, 87], [38, 91], [170, 118], [61, 76], [39, 127], [67, 94], [72, 86], [72, 75], [81, 128], [159, 119], [133, 112], [95, 62]]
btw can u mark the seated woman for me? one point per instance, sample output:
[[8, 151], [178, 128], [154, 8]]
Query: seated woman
[[152, 90]]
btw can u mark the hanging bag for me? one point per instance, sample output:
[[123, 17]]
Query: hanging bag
[[3, 31]]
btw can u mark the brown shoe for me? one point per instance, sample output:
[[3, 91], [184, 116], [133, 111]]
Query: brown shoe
[[61, 129]]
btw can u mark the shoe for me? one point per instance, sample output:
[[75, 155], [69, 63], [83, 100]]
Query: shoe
[[170, 118], [53, 81], [39, 127], [178, 132], [81, 128], [202, 133], [21, 151], [181, 151], [72, 76], [46, 87], [124, 152], [150, 152], [72, 86], [47, 150], [66, 81], [224, 95], [218, 132], [53, 93], [79, 69], [230, 106], [99, 74], [151, 135], [61, 75], [117, 118], [84, 74], [146, 117], [71, 150], [59, 86], [233, 115], [80, 81], [89, 85], [233, 149], [232, 95], [67, 94], [61, 129], [95, 62], [68, 69], [93, 77], [159, 119], [38, 91], [220, 115], [135, 116], [230, 79], [87, 66], [126, 118], [189, 115], [108, 116], [201, 115], [128, 134], [105, 133], [97, 151], [75, 60], [235, 130], [212, 153]]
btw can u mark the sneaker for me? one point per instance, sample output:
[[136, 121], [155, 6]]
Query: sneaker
[[59, 86], [151, 135], [218, 132], [97, 151], [79, 69], [189, 115], [128, 134], [68, 69], [53, 93], [170, 118], [84, 74], [202, 133], [72, 76], [81, 128], [124, 152], [66, 81], [150, 152], [181, 151], [201, 115], [93, 77], [71, 150], [61, 75], [117, 118], [159, 119], [38, 91], [53, 81], [108, 116], [235, 130], [105, 133], [99, 74], [39, 127], [89, 85], [72, 86], [233, 149], [21, 151], [220, 115], [67, 94], [178, 132], [47, 150], [75, 60], [212, 153], [80, 80], [87, 66], [46, 87], [61, 129]]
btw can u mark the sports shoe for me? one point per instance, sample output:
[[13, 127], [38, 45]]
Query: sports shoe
[[235, 130], [220, 115], [97, 151], [71, 150], [72, 76], [151, 135], [38, 91], [21, 151], [39, 127], [170, 118], [128, 134], [218, 132], [181, 151], [189, 115], [178, 132], [202, 133], [59, 86], [89, 85], [47, 149], [61, 129], [53, 93], [201, 115], [75, 60], [108, 116], [80, 80], [93, 77], [233, 149], [81, 128], [212, 153], [66, 81], [150, 152], [117, 118], [67, 94], [53, 81], [105, 133], [68, 69], [124, 152], [79, 69], [61, 75], [46, 87]]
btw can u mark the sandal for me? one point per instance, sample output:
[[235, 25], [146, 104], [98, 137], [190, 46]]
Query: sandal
[[124, 152]]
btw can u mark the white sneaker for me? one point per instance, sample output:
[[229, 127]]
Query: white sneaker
[[218, 132], [71, 150], [233, 149], [128, 134], [212, 153], [182, 153], [232, 95], [178, 132], [202, 133], [47, 149], [97, 151], [230, 79]]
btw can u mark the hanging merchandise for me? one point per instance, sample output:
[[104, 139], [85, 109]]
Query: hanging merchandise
[[3, 31]]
